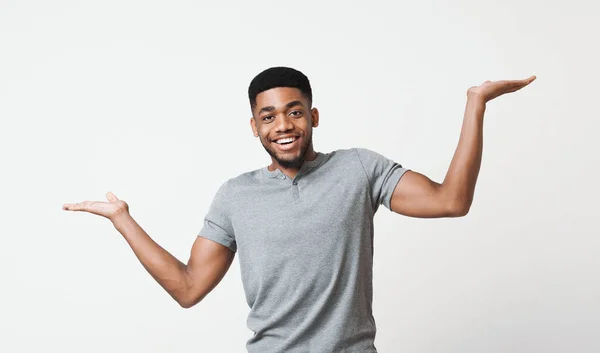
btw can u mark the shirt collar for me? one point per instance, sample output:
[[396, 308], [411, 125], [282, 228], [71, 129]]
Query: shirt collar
[[306, 165]]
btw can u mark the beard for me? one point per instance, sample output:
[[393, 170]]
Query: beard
[[294, 162]]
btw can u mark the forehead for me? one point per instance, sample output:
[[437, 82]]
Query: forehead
[[278, 96]]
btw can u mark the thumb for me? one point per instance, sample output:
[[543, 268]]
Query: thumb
[[111, 197]]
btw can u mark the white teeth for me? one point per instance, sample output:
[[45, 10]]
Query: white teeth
[[289, 139]]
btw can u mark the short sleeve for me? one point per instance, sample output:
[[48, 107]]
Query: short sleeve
[[382, 174], [217, 222]]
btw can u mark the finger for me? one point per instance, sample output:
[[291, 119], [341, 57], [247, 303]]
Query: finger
[[513, 83], [74, 206], [111, 197], [514, 88], [524, 82], [529, 80], [508, 86], [517, 85]]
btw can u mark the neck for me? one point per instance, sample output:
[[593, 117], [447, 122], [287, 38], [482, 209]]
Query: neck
[[310, 155]]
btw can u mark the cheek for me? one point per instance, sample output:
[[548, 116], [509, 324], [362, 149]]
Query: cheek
[[264, 135]]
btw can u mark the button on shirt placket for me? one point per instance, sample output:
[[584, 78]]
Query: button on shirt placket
[[295, 192]]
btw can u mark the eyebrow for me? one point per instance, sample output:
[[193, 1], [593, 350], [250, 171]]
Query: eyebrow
[[271, 108]]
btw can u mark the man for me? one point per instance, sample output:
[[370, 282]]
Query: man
[[304, 224]]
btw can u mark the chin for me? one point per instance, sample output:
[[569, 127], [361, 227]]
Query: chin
[[295, 159], [286, 158]]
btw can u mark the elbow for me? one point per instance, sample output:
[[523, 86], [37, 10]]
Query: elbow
[[185, 304], [185, 301], [459, 208], [461, 212], [188, 301], [457, 204], [186, 296]]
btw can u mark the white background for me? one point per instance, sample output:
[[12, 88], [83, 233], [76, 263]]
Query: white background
[[148, 99]]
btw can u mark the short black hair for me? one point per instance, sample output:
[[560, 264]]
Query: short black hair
[[279, 76]]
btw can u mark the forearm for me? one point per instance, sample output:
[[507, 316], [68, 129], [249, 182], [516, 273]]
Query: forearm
[[461, 177], [166, 269]]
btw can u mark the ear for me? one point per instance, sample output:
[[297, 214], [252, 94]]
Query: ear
[[253, 126], [315, 117]]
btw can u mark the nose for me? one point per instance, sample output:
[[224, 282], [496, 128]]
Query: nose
[[284, 123]]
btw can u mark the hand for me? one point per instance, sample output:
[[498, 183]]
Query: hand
[[490, 90], [109, 209]]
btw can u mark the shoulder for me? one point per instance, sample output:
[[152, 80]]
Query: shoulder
[[348, 162], [365, 154], [359, 155], [242, 180], [346, 153]]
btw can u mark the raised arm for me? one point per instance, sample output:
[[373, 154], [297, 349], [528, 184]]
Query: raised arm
[[416, 195], [187, 283]]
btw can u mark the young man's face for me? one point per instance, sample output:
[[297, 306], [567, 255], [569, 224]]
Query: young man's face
[[284, 112]]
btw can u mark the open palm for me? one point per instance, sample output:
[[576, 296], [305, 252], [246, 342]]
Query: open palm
[[101, 208], [490, 90]]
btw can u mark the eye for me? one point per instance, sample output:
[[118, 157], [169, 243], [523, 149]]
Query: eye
[[296, 112], [266, 117]]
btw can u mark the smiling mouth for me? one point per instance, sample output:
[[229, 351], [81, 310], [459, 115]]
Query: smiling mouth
[[287, 145]]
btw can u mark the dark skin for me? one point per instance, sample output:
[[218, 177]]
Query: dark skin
[[280, 112], [285, 111]]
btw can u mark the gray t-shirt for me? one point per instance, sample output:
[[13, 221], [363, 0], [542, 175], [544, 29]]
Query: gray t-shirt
[[305, 248]]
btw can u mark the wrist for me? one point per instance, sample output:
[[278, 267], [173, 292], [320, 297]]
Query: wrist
[[120, 219], [475, 99], [475, 109]]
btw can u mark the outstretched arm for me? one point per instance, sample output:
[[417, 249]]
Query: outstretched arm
[[187, 283], [416, 195]]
